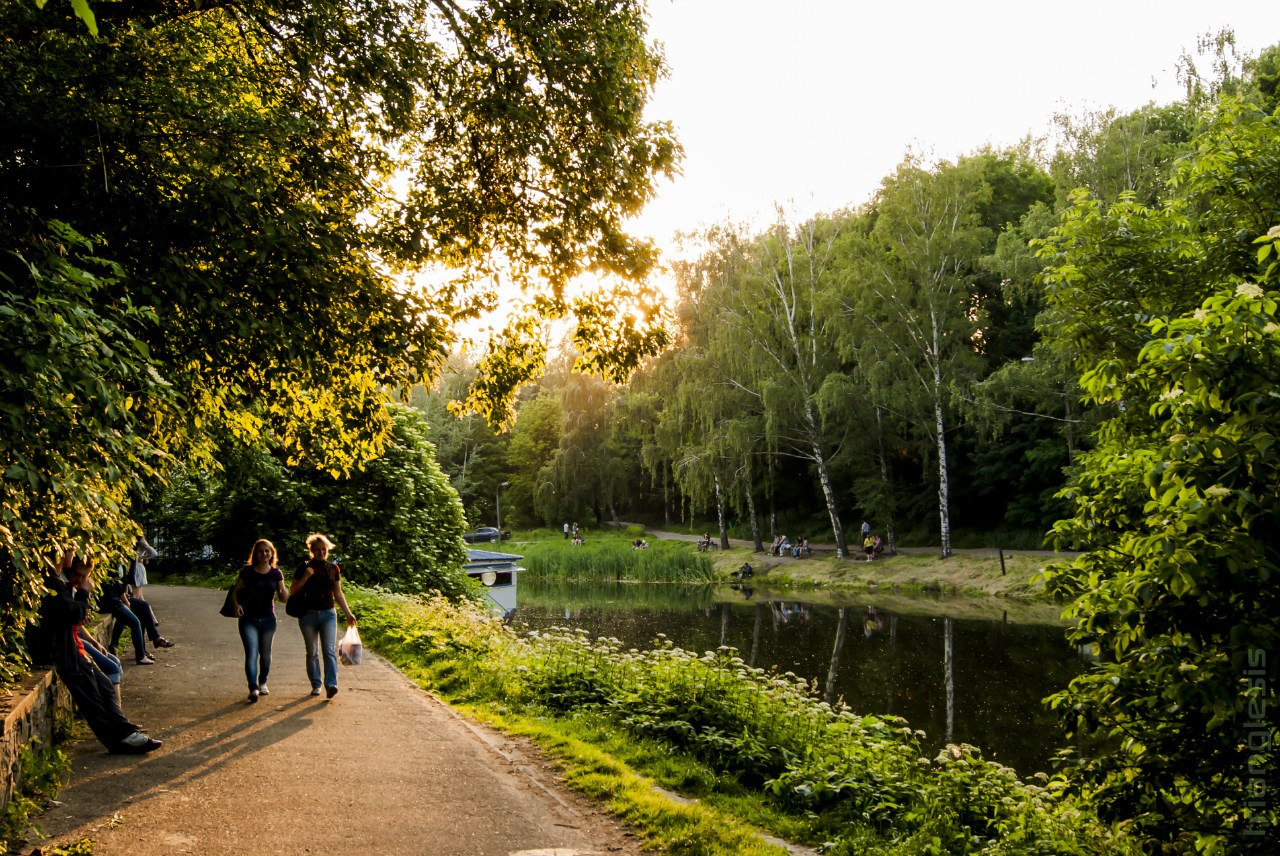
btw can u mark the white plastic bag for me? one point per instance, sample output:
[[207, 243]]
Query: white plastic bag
[[350, 649]]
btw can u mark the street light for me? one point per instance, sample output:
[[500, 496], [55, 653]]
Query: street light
[[497, 506]]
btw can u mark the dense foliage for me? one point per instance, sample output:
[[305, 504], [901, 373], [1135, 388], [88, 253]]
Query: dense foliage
[[286, 209], [1171, 312], [397, 523]]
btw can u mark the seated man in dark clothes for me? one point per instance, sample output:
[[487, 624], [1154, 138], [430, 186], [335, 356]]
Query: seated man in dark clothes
[[62, 612]]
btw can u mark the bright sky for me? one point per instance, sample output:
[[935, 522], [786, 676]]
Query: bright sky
[[811, 102]]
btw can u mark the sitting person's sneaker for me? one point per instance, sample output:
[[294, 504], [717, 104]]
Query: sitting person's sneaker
[[145, 660], [162, 642], [262, 690], [136, 743]]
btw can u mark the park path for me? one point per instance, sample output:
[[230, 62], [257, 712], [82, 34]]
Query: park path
[[854, 539], [382, 768]]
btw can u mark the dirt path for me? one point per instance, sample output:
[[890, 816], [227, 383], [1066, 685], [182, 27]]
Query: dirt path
[[382, 768]]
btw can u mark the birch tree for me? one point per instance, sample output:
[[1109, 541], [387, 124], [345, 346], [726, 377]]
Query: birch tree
[[771, 340], [910, 298]]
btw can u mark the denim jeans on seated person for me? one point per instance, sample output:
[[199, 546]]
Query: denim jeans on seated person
[[125, 618], [320, 628], [256, 635], [107, 664]]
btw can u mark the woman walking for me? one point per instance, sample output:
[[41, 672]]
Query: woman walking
[[319, 583], [254, 598]]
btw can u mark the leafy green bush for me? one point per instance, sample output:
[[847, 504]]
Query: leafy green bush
[[43, 769], [397, 523]]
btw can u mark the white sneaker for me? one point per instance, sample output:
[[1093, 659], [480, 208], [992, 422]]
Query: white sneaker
[[315, 691], [262, 690]]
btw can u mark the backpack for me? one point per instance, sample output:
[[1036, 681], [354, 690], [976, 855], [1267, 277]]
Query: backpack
[[39, 643]]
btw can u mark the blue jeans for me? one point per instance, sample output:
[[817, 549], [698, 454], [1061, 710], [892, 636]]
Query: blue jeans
[[108, 665], [320, 626], [136, 618], [256, 635]]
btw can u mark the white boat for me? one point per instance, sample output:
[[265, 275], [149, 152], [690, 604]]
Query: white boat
[[497, 573]]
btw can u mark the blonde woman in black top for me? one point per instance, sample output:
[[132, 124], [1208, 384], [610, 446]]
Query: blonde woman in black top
[[318, 582]]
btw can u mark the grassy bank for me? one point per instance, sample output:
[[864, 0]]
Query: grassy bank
[[607, 555], [754, 748], [979, 573]]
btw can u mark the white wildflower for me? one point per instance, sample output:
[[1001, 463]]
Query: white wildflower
[[1170, 394], [1248, 289]]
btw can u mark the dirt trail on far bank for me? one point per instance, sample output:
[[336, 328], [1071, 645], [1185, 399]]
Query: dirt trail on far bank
[[382, 768]]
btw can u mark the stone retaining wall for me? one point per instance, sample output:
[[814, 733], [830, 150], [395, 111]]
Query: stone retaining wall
[[35, 704]]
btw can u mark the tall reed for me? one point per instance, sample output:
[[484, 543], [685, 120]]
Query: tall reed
[[612, 558]]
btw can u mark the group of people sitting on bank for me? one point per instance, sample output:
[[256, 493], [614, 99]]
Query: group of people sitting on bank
[[783, 546]]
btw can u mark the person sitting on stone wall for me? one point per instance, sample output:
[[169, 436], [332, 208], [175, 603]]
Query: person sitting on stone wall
[[62, 613]]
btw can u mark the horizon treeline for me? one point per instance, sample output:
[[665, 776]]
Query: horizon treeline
[[911, 361]]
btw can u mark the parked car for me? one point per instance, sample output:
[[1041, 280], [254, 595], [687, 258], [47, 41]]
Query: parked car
[[483, 535]]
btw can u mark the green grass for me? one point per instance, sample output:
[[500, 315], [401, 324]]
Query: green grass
[[974, 574], [610, 557]]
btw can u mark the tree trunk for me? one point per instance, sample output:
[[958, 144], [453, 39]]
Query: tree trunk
[[824, 478], [886, 489], [724, 526], [751, 512], [944, 485], [666, 497]]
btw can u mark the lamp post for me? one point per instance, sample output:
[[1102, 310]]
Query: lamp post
[[497, 506]]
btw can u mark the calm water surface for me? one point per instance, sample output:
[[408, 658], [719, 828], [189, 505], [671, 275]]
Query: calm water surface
[[956, 677]]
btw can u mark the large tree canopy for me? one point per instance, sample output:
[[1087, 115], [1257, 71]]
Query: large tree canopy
[[299, 201]]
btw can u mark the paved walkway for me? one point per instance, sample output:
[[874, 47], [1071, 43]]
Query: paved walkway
[[853, 538], [382, 768]]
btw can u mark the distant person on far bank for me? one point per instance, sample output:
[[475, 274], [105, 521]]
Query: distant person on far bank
[[318, 582], [566, 530]]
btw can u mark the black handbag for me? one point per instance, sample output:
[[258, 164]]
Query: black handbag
[[228, 605], [296, 606]]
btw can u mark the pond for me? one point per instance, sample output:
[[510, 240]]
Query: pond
[[962, 670]]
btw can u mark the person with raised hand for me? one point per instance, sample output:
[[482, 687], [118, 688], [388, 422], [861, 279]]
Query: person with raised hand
[[319, 582], [62, 613]]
